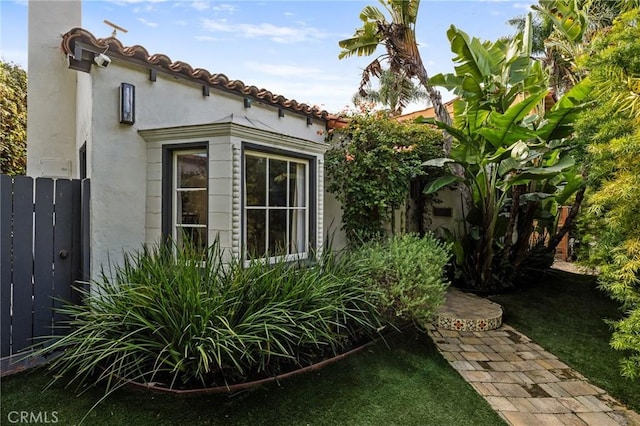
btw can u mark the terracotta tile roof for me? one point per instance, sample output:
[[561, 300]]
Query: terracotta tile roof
[[427, 113], [138, 54], [337, 122]]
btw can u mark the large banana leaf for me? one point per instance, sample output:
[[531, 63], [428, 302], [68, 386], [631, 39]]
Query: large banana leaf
[[567, 17], [536, 173], [441, 182], [407, 10], [371, 13], [574, 182], [559, 121], [504, 129], [455, 133], [472, 55], [364, 42], [448, 81]]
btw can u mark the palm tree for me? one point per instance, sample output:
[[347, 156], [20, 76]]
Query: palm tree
[[395, 91], [541, 28], [567, 27], [398, 37]]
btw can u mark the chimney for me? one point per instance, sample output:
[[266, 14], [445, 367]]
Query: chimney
[[51, 90]]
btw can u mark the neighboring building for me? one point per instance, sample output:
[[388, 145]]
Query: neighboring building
[[426, 113], [171, 151]]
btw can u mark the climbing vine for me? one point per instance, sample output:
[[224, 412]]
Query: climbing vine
[[370, 166]]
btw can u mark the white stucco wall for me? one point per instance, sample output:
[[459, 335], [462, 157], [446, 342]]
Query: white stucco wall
[[126, 170], [333, 222], [84, 117], [51, 135], [449, 199]]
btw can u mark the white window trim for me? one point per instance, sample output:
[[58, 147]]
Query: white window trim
[[306, 208], [175, 190]]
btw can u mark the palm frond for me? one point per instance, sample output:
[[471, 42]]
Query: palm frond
[[364, 42], [370, 13]]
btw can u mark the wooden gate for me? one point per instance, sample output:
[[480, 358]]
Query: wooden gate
[[42, 254]]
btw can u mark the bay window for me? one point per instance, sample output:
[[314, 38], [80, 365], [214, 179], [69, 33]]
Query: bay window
[[276, 206]]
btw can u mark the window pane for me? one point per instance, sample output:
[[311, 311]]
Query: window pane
[[192, 170], [255, 187], [192, 207], [277, 183], [297, 185], [277, 232], [297, 231], [256, 233], [196, 237]]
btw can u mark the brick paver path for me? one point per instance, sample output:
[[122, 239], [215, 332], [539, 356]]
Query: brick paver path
[[525, 384]]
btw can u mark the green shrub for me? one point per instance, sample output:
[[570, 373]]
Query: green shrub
[[185, 320], [370, 166], [408, 273]]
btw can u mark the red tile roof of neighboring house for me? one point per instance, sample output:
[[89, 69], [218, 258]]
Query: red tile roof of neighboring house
[[426, 113], [337, 122], [138, 54]]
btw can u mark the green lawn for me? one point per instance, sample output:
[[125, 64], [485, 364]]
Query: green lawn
[[406, 383], [565, 314]]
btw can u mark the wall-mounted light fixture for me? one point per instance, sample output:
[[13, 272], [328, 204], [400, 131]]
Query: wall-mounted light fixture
[[309, 121], [247, 103], [127, 103], [280, 112]]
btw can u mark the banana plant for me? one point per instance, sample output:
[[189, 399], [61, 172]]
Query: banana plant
[[514, 151]]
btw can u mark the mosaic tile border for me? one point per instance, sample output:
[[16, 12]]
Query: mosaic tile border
[[459, 324]]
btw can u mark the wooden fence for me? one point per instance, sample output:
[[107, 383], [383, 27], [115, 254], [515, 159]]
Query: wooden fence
[[43, 251]]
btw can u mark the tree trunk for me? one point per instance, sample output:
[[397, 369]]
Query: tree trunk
[[513, 216], [435, 98], [525, 230], [415, 67]]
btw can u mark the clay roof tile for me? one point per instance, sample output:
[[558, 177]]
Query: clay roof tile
[[114, 47]]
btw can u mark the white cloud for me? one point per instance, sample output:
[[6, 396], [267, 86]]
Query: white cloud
[[123, 2], [282, 70], [279, 34], [287, 71], [524, 6], [148, 23], [308, 91], [144, 8], [227, 8], [200, 5], [206, 38]]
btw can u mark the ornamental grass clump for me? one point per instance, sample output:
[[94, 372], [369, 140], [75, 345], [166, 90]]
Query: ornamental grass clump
[[180, 319], [407, 272]]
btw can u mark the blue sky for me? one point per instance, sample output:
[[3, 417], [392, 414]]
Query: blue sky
[[288, 47]]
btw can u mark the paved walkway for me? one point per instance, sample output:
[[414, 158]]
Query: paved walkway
[[525, 384]]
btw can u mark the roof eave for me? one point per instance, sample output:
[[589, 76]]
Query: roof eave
[[81, 46]]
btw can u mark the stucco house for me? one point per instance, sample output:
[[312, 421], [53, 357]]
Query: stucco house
[[171, 150], [176, 152]]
